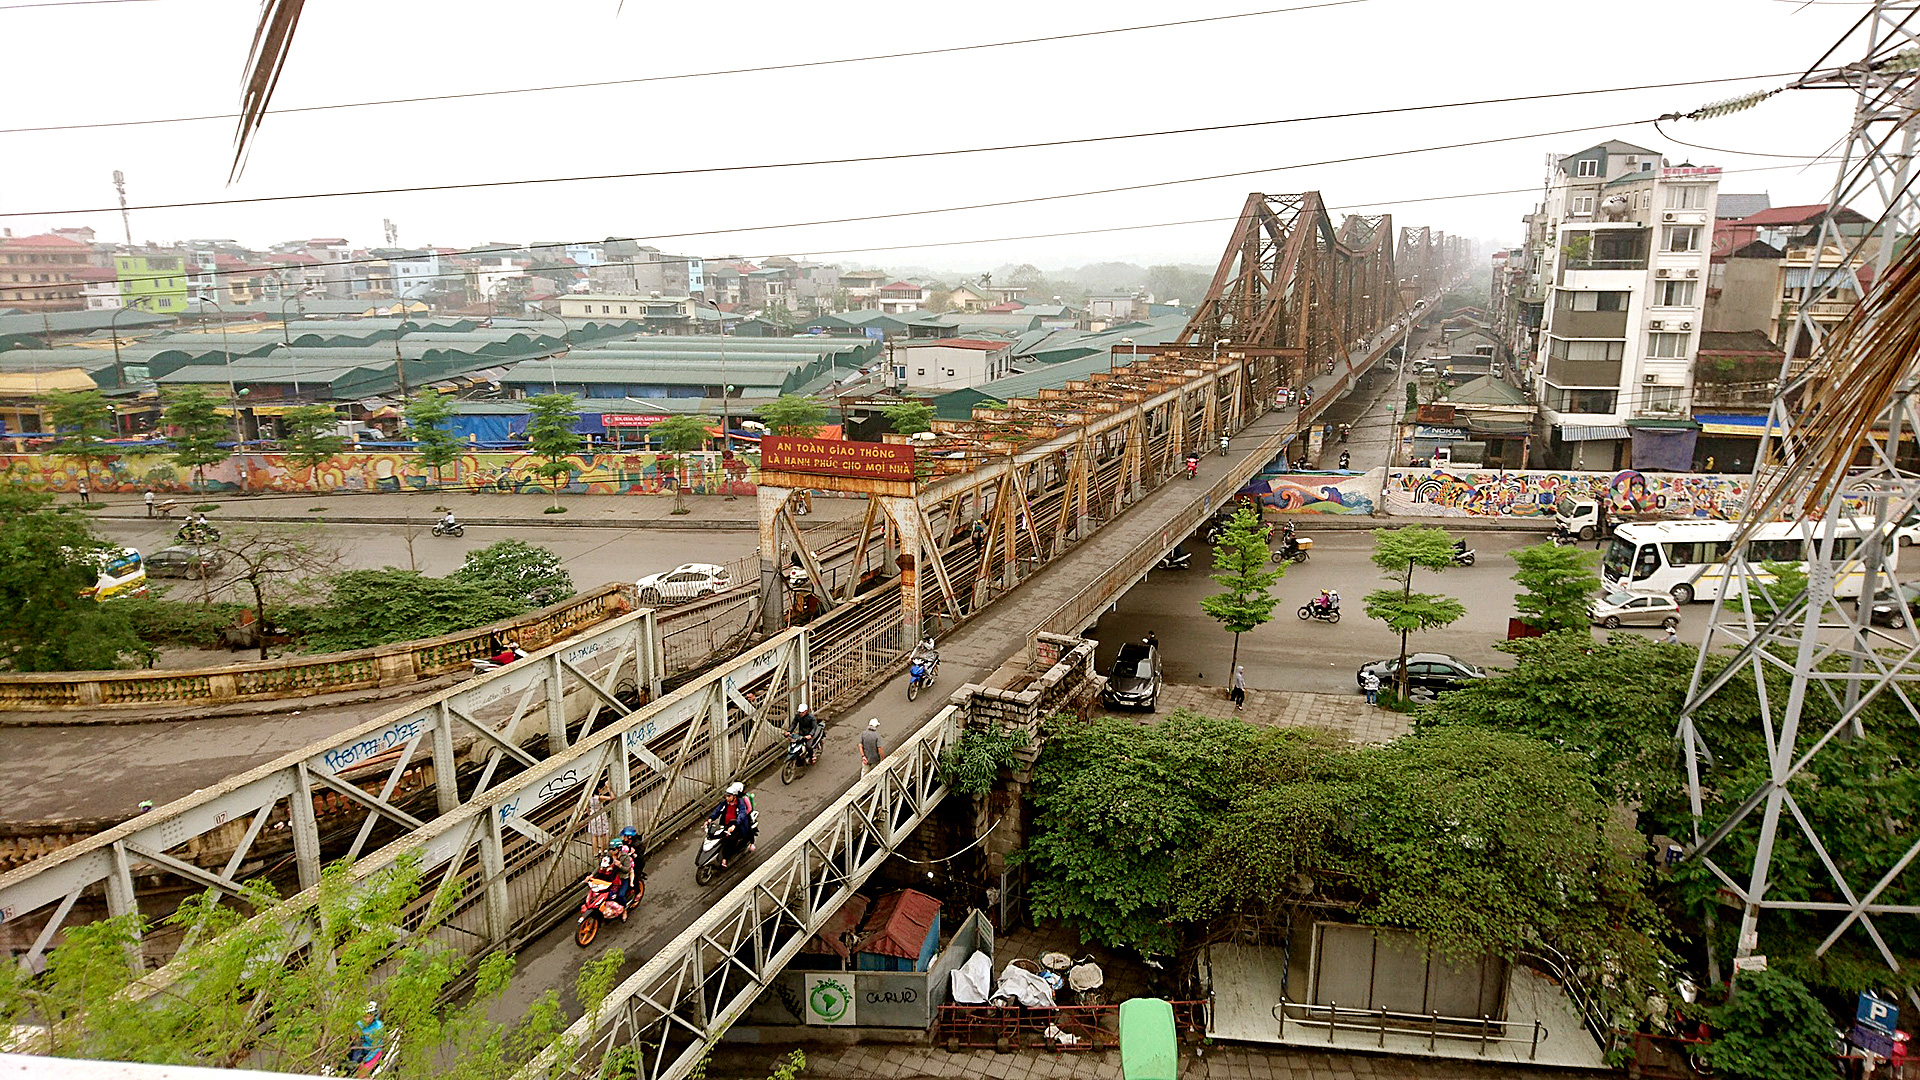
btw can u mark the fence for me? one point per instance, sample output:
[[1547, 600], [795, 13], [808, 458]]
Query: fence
[[386, 665], [1484, 1030]]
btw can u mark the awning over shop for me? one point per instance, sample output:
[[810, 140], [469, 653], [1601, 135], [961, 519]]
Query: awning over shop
[[1593, 432]]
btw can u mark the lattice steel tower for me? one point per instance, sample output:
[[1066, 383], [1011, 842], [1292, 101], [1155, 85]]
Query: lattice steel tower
[[1830, 461]]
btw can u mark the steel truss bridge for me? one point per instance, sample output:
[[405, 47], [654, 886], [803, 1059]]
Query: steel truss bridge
[[488, 783]]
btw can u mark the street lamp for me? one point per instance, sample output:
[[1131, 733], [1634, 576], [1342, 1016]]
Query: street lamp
[[1132, 351], [226, 347], [726, 432], [119, 372], [566, 343]]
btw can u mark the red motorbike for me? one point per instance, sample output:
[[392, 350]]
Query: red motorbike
[[600, 905]]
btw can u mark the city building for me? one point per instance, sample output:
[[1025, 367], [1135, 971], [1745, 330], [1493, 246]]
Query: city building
[[42, 273], [1624, 266], [661, 314], [155, 282], [949, 363], [903, 296], [1763, 270]]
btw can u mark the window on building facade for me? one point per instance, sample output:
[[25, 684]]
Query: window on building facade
[[1687, 197], [1667, 346], [1587, 167], [1580, 401], [1594, 301], [1660, 399], [1673, 293], [1586, 352], [623, 309], [603, 309], [1682, 238], [1583, 204]]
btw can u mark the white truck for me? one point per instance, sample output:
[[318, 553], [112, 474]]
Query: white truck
[[1582, 519]]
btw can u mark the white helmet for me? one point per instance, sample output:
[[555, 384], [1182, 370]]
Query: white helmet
[[803, 707], [736, 788], [874, 723]]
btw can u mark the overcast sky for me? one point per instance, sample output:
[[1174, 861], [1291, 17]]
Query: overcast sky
[[150, 59]]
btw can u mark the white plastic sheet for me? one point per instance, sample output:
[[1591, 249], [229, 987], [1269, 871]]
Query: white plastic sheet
[[973, 981], [1027, 988]]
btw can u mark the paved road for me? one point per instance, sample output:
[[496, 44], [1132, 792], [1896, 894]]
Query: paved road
[[592, 556]]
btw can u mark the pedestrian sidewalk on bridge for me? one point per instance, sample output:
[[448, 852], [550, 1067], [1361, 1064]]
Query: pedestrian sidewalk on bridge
[[1345, 715], [422, 508]]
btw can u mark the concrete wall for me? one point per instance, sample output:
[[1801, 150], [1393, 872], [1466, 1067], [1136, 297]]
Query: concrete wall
[[896, 999]]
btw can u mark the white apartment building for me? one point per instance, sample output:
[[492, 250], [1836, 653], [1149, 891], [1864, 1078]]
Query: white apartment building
[[949, 363], [1625, 261]]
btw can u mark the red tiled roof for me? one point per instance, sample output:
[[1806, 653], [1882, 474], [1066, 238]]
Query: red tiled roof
[[46, 241], [1786, 215], [1006, 308], [901, 286]]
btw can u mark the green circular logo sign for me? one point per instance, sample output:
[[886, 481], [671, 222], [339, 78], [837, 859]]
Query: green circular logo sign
[[830, 1000]]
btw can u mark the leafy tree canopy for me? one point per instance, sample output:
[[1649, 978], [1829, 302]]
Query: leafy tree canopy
[[312, 435], [1772, 1028], [909, 417], [1559, 582], [196, 428], [427, 415], [681, 434], [365, 608], [49, 558], [84, 422], [794, 414], [1243, 566], [527, 574]]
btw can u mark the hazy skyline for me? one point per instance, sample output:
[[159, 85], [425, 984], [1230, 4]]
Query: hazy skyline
[[166, 58]]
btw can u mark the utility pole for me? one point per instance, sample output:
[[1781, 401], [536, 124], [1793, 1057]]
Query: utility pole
[[126, 220]]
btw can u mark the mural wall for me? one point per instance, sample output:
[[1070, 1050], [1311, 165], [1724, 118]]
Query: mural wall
[[588, 474], [1501, 493], [1497, 493]]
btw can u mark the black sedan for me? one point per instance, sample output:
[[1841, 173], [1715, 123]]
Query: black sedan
[[1134, 680], [1431, 672], [184, 561]]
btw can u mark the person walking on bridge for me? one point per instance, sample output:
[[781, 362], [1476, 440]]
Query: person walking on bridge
[[871, 752]]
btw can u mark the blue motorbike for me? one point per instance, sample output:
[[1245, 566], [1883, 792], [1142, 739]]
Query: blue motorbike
[[921, 668]]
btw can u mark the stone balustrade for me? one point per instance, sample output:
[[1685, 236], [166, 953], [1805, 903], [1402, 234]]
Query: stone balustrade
[[303, 676]]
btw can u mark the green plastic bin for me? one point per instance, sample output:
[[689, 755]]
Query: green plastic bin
[[1149, 1045]]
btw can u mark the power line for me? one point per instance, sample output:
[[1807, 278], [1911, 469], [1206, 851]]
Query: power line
[[69, 4], [601, 84], [872, 158]]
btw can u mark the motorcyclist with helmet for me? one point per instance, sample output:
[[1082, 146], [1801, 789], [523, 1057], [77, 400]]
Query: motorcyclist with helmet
[[736, 813], [809, 729]]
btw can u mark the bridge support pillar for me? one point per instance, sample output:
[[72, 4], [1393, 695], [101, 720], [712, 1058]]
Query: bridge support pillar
[[773, 601], [905, 515]]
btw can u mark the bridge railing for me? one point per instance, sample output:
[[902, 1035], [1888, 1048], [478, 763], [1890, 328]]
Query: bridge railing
[[324, 673], [669, 1012]]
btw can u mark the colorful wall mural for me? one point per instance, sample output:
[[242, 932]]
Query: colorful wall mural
[[1497, 493], [589, 474], [1504, 493]]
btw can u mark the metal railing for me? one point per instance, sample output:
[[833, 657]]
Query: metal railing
[[1092, 1027], [1592, 1013], [1484, 1030]]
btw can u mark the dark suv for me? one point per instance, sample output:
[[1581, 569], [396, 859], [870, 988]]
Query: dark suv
[[1430, 672], [1133, 682]]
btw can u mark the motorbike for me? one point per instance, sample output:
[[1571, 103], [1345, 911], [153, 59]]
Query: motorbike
[[921, 671], [1329, 367], [600, 906], [1326, 614], [1193, 467], [1345, 430], [197, 533], [377, 1065], [1346, 459], [1177, 559], [1462, 554], [720, 845], [1292, 549], [441, 528], [801, 752], [1561, 537], [1223, 447], [484, 664]]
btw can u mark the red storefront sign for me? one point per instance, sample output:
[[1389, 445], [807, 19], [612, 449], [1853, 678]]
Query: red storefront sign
[[628, 420], [833, 457]]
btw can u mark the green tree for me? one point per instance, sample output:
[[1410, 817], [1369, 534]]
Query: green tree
[[529, 575], [276, 562], [794, 414], [212, 1016], [1784, 585], [1398, 552], [1559, 582], [195, 430], [365, 608], [427, 415], [312, 435], [49, 560], [909, 417], [680, 436], [84, 422], [553, 436], [1413, 398], [1244, 567], [1772, 1028]]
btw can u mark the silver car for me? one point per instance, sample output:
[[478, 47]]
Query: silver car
[[1622, 608]]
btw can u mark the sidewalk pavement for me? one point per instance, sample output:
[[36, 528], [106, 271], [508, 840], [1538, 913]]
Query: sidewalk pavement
[[422, 508], [1347, 715], [1217, 1062]]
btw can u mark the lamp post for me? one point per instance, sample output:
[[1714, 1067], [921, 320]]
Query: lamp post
[[566, 343], [1128, 342], [726, 440], [233, 395], [113, 329]]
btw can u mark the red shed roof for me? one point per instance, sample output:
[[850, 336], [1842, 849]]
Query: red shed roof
[[43, 241], [901, 924]]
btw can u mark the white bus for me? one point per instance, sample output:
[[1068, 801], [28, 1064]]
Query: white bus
[[1687, 559]]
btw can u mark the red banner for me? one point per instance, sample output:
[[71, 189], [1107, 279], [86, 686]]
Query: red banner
[[830, 457]]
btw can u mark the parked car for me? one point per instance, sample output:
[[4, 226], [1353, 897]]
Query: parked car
[[688, 582], [1431, 672], [1895, 612], [1134, 680], [1621, 607], [185, 561]]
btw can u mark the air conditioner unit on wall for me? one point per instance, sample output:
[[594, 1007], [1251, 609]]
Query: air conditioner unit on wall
[[1686, 326], [1666, 217], [1650, 379], [1657, 324], [1663, 272], [1695, 272]]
